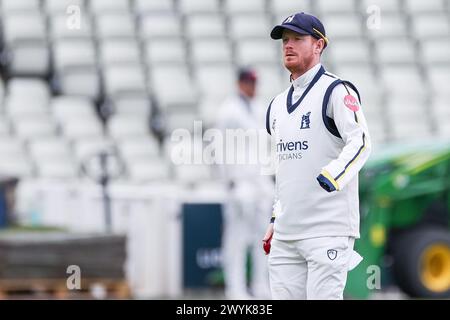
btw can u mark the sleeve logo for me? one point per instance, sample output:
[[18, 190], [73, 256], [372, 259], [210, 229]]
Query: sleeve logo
[[351, 103]]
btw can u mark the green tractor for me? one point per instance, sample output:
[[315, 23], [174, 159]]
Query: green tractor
[[405, 222]]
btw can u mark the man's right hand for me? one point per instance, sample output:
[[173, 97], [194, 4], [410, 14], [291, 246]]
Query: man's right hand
[[268, 238]]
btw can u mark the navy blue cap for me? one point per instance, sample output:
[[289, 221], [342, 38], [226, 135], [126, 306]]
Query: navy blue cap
[[302, 23]]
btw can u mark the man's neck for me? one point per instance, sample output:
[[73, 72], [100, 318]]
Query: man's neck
[[299, 72]]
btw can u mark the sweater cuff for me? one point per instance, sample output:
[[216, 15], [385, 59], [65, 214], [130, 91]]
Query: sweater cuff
[[327, 182]]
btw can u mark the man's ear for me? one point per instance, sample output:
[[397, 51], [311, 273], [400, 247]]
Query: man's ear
[[320, 45]]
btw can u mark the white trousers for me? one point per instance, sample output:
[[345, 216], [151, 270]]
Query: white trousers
[[246, 216], [313, 268]]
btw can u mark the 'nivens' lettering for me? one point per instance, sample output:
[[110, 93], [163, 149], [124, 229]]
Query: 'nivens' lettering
[[292, 146]]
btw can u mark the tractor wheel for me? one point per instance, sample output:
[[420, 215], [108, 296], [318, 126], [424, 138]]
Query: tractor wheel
[[422, 262]]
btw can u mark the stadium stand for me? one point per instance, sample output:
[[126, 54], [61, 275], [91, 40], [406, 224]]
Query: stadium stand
[[83, 77], [68, 90], [126, 50]]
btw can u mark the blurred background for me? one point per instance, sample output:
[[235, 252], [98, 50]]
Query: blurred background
[[91, 204]]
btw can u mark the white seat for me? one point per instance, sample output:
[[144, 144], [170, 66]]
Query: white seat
[[341, 53], [256, 52], [211, 51], [99, 6], [122, 126], [183, 119], [81, 81], [162, 26], [76, 63], [34, 127], [142, 147], [135, 104], [392, 26], [114, 51], [205, 25], [60, 29], [14, 6], [26, 44], [403, 81], [249, 6], [215, 81], [434, 25], [4, 127], [29, 59], [436, 51], [164, 78], [143, 7], [207, 108], [115, 25], [249, 26], [439, 79], [144, 171], [342, 26], [409, 120], [65, 108], [16, 107], [288, 7], [44, 149], [82, 129], [165, 51], [24, 27], [195, 6], [123, 79], [74, 54], [14, 166], [85, 147], [331, 6], [419, 7], [406, 111], [57, 7], [192, 174], [390, 6], [28, 89], [57, 169], [395, 51], [11, 146]]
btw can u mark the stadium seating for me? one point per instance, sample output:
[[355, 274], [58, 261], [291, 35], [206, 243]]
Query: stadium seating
[[126, 78], [205, 25], [177, 58]]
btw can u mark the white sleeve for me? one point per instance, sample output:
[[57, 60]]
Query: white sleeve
[[276, 208], [353, 129]]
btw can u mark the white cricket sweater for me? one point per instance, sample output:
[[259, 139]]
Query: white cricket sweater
[[312, 138]]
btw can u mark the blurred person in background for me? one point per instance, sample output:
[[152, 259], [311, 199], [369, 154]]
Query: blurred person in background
[[322, 142], [248, 203]]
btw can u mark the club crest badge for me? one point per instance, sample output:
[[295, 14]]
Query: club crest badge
[[305, 121], [332, 254]]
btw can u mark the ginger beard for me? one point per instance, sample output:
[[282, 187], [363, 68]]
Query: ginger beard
[[300, 52]]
